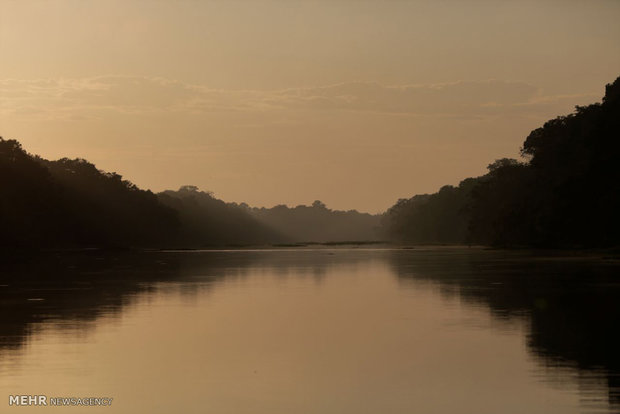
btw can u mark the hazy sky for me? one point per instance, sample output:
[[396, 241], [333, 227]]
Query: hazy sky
[[356, 103]]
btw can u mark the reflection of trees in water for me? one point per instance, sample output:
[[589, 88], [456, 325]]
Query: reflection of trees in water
[[70, 290], [571, 305]]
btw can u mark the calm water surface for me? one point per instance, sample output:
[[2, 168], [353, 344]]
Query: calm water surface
[[313, 331]]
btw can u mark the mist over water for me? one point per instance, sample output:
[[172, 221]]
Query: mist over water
[[322, 330]]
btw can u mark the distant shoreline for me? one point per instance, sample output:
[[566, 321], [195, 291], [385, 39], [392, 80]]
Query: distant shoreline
[[606, 254]]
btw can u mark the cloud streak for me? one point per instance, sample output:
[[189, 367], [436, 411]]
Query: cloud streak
[[89, 98]]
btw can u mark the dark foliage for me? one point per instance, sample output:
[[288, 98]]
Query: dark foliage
[[28, 198], [102, 207], [566, 195], [207, 221], [70, 203], [439, 218], [317, 223]]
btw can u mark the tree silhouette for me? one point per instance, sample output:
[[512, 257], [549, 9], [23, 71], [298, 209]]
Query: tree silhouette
[[567, 194]]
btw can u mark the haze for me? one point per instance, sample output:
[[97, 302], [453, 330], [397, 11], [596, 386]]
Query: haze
[[355, 103]]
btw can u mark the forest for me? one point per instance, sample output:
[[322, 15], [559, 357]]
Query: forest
[[564, 192], [70, 204]]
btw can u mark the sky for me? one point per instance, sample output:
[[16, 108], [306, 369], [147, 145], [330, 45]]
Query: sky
[[354, 103]]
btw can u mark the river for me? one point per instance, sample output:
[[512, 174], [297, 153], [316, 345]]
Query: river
[[325, 330]]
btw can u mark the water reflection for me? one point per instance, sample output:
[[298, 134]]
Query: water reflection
[[568, 308], [79, 287], [571, 305]]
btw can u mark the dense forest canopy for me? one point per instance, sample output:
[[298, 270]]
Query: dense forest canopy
[[566, 192], [318, 223], [71, 203], [207, 221]]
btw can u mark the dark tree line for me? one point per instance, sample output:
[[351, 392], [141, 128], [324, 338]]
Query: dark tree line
[[207, 221], [566, 193], [317, 223], [71, 203], [432, 218]]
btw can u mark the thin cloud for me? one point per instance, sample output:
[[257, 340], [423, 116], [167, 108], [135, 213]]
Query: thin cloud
[[89, 98]]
